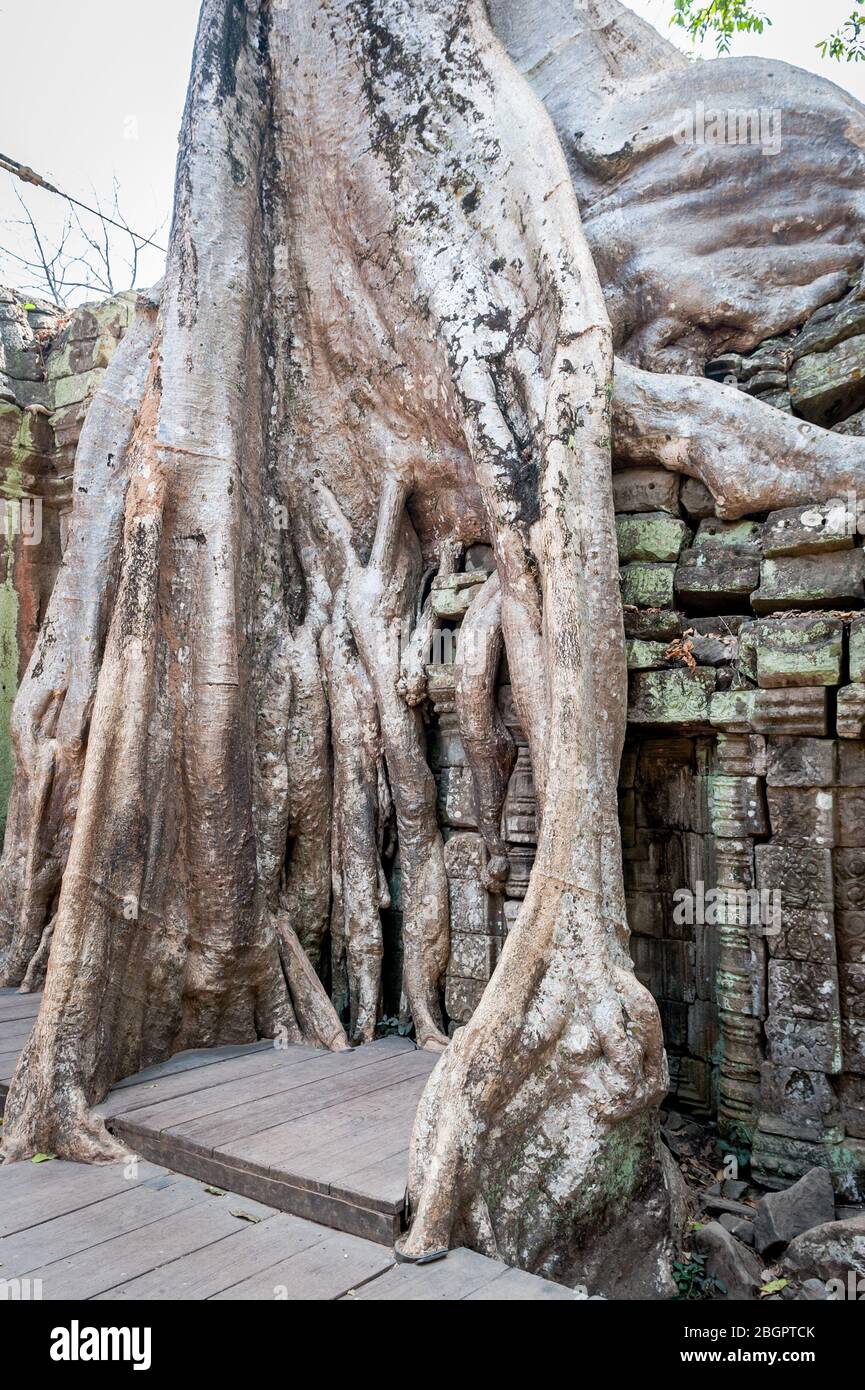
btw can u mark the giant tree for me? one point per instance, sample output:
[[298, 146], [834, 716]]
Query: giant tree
[[386, 332]]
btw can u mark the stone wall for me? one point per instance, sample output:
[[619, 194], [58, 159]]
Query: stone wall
[[50, 365]]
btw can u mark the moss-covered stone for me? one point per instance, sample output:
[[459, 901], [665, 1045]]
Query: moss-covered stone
[[676, 697], [653, 536], [857, 649], [792, 651], [648, 585], [713, 531], [646, 656], [811, 581], [826, 386], [732, 710], [452, 594], [717, 574]]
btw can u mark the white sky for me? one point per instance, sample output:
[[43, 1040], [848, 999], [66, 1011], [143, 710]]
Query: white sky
[[94, 89]]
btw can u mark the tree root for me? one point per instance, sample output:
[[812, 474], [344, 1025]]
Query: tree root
[[359, 889], [751, 457], [490, 750], [374, 595]]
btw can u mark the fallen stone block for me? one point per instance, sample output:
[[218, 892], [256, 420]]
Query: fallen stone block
[[831, 1251], [740, 1228], [720, 1205], [729, 1261], [781, 1216]]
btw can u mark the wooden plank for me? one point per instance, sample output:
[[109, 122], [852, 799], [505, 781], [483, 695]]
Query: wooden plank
[[193, 1059], [326, 1270], [124, 1099], [14, 1033], [19, 1009], [463, 1272], [296, 1146], [384, 1180], [515, 1285], [251, 1109], [101, 1220], [102, 1267], [374, 1222], [229, 1261], [31, 1193]]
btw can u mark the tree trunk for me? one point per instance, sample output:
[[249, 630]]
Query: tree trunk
[[382, 337]]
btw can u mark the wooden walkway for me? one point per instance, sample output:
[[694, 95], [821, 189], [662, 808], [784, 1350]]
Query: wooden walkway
[[310, 1149], [137, 1231]]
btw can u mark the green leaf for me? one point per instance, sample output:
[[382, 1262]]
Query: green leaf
[[42, 1158], [774, 1286]]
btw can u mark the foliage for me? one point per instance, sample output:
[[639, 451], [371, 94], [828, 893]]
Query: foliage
[[848, 41], [692, 1281], [724, 18]]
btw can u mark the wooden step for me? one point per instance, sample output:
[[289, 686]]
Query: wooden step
[[323, 1135]]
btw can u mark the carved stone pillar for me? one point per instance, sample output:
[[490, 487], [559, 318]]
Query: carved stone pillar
[[737, 814]]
